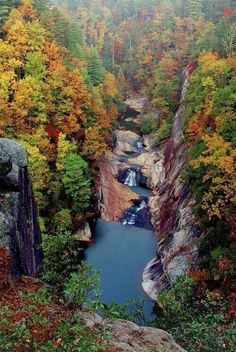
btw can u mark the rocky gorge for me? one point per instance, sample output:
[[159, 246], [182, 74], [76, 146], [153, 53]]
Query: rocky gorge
[[170, 202], [161, 204], [20, 241]]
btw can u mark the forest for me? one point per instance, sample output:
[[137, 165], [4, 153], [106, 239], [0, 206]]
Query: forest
[[66, 68]]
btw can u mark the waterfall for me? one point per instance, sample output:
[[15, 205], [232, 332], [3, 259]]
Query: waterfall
[[140, 146], [131, 179], [130, 215], [142, 205]]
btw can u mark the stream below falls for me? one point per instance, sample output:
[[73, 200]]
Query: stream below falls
[[120, 251]]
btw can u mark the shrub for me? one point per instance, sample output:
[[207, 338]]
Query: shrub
[[164, 131], [61, 257], [196, 322], [148, 124], [62, 220], [80, 284]]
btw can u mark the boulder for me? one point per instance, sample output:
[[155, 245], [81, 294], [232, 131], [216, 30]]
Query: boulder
[[136, 103], [84, 233], [5, 163], [127, 336], [15, 151]]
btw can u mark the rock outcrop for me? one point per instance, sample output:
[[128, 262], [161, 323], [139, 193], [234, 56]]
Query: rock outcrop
[[19, 228], [114, 197], [84, 234], [136, 103], [127, 336]]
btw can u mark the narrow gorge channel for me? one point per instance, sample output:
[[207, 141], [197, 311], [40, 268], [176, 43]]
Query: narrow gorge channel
[[124, 235], [144, 207]]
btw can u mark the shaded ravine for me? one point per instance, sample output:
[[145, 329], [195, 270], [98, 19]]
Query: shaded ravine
[[125, 242], [169, 206]]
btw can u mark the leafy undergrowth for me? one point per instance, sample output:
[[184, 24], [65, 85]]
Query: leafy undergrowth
[[32, 319], [199, 319]]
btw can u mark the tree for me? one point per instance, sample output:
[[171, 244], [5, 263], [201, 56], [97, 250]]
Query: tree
[[94, 146], [35, 65], [229, 40], [194, 8], [76, 181], [219, 161], [39, 172], [17, 35], [64, 148], [95, 70], [5, 8]]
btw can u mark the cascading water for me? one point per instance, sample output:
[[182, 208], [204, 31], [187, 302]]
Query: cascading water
[[142, 205], [131, 179], [138, 215], [140, 146]]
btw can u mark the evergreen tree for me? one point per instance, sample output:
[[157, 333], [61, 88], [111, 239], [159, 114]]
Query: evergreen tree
[[194, 8], [77, 182], [95, 70], [5, 8]]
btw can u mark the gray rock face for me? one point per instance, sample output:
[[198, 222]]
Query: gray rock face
[[15, 151], [5, 163], [127, 336], [171, 208], [19, 228]]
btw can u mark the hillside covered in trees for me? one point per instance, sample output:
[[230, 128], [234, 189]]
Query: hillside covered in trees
[[65, 69]]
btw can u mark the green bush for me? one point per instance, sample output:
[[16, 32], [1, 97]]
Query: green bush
[[225, 255], [61, 257], [164, 131], [198, 323], [227, 126], [148, 124], [62, 220], [197, 149], [80, 284], [74, 336]]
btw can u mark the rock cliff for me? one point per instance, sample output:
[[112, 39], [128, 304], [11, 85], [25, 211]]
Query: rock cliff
[[171, 209], [19, 228], [170, 203]]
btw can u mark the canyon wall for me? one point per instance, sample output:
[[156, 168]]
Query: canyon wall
[[171, 208], [170, 204], [20, 237]]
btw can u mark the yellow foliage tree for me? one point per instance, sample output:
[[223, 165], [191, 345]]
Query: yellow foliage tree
[[94, 146], [219, 159]]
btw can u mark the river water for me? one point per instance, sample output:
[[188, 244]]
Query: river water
[[121, 253]]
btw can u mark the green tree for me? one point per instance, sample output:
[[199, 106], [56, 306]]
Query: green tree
[[5, 8], [95, 70], [194, 8], [76, 181]]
